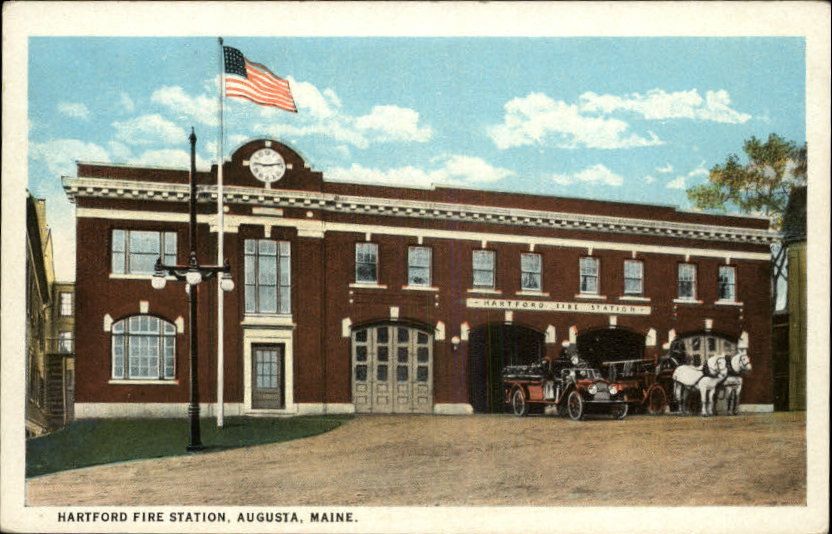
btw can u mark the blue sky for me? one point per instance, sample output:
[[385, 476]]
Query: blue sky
[[631, 119]]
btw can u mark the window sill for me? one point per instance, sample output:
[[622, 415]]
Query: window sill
[[687, 301], [142, 382], [528, 293], [728, 303], [590, 296], [267, 320], [634, 298], [131, 276], [420, 288], [485, 290], [367, 285]]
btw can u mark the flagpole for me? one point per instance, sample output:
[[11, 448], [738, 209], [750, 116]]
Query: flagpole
[[220, 251]]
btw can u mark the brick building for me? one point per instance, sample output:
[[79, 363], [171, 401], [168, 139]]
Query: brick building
[[367, 298]]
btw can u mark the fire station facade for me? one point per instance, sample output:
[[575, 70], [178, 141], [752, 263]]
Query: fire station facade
[[363, 298]]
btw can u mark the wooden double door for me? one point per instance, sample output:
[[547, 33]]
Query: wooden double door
[[392, 369]]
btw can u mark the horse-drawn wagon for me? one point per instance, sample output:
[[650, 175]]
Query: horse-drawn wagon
[[647, 385], [570, 385]]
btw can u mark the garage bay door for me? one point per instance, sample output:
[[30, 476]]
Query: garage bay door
[[392, 369]]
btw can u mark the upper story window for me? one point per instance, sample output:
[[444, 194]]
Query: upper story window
[[727, 286], [366, 262], [65, 342], [418, 266], [144, 348], [633, 277], [483, 265], [66, 304], [267, 276], [530, 267], [687, 281], [136, 251], [589, 275]]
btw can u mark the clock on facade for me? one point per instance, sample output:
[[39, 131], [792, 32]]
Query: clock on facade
[[267, 165]]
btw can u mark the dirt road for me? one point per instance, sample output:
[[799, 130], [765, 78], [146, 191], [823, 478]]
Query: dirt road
[[495, 460]]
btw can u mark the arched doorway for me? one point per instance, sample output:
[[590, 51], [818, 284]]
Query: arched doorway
[[490, 348], [610, 345], [392, 369]]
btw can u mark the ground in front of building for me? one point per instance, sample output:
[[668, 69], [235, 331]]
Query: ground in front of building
[[481, 460]]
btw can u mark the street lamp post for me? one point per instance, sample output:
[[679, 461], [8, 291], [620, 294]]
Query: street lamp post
[[193, 273]]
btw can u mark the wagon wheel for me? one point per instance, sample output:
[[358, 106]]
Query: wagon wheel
[[656, 400], [575, 406], [518, 403], [619, 411]]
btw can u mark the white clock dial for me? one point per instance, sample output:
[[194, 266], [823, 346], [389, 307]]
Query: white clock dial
[[267, 165]]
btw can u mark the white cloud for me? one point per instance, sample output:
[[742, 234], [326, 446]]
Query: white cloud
[[309, 99], [393, 123], [148, 129], [539, 119], [126, 103], [75, 110], [453, 170], [120, 151], [649, 179], [667, 169], [60, 155], [202, 109], [678, 183], [658, 104], [594, 174], [169, 157]]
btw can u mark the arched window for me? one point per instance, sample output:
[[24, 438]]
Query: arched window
[[144, 348]]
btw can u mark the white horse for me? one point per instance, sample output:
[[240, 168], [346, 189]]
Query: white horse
[[740, 364], [688, 377]]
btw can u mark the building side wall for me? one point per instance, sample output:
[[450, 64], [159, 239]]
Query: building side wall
[[797, 326]]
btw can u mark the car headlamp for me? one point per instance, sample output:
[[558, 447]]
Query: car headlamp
[[593, 389], [574, 360], [613, 389]]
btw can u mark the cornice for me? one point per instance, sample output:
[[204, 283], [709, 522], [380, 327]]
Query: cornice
[[159, 191]]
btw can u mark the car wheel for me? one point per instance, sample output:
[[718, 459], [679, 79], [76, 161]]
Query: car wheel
[[656, 400], [518, 403], [620, 411], [575, 406]]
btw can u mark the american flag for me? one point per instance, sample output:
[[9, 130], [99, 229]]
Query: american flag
[[253, 81]]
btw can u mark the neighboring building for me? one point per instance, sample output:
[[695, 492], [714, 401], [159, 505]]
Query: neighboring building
[[48, 346], [367, 298], [794, 237]]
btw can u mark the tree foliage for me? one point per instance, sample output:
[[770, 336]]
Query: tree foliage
[[759, 186]]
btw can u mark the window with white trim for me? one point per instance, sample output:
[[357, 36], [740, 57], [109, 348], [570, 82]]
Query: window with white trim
[[268, 286], [66, 304], [589, 275], [366, 263], [687, 281], [65, 342], [136, 251], [143, 348], [633, 277], [418, 266], [483, 265], [726, 283], [530, 267]]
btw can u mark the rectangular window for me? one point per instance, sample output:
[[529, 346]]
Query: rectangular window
[[65, 342], [687, 281], [589, 275], [727, 283], [366, 262], [136, 251], [530, 265], [267, 277], [418, 266], [633, 277], [483, 264], [66, 304]]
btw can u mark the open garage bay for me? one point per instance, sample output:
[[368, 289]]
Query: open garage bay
[[486, 459]]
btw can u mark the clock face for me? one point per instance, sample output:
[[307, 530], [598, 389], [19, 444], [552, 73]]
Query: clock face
[[267, 165]]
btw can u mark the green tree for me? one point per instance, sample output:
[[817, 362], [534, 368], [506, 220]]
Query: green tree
[[759, 186]]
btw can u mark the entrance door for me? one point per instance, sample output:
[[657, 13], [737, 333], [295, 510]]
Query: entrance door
[[392, 369], [267, 377], [699, 348]]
